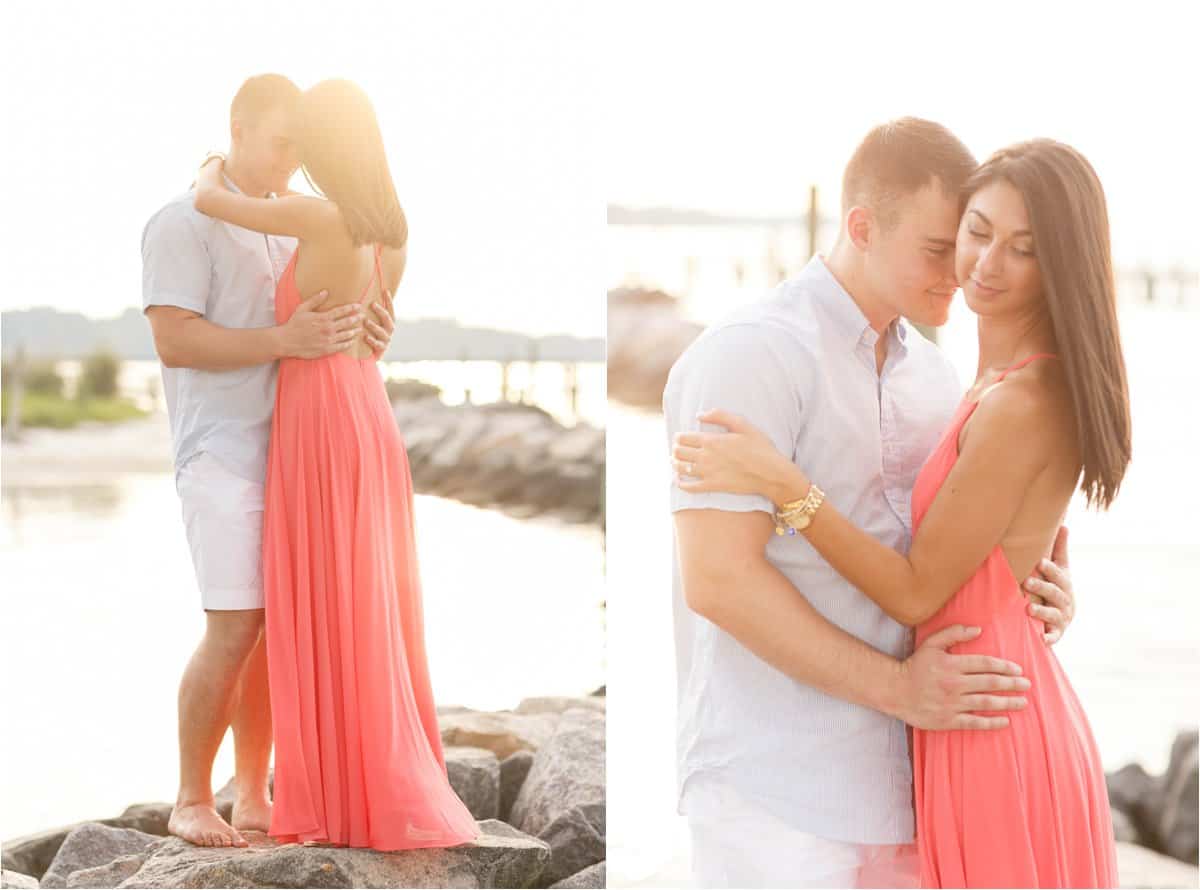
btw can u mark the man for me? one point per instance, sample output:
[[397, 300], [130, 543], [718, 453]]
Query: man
[[794, 688], [208, 289]]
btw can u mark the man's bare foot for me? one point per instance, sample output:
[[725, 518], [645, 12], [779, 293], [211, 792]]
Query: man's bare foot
[[200, 824], [252, 814]]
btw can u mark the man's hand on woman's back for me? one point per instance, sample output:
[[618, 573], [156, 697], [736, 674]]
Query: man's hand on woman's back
[[1051, 593], [312, 332]]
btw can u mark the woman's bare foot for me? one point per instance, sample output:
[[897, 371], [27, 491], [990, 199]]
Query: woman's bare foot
[[200, 824], [252, 814]]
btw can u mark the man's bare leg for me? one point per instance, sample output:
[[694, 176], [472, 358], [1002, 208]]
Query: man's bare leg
[[252, 743], [206, 699]]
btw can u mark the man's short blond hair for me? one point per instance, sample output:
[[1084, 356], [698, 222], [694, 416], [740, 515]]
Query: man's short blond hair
[[261, 94], [899, 158]]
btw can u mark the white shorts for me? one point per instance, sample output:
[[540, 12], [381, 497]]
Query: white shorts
[[738, 844], [223, 513]]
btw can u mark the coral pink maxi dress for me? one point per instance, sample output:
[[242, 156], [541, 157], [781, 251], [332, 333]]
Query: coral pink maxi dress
[[1024, 806], [358, 754]]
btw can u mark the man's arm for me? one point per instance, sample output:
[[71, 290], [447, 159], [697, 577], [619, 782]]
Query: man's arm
[[176, 280], [728, 580], [185, 339]]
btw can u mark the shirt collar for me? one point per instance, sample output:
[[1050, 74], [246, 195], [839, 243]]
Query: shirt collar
[[835, 303]]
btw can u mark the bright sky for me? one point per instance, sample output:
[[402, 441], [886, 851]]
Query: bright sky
[[740, 107], [487, 113]]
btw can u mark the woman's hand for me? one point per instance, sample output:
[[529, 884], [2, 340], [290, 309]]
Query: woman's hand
[[209, 176], [741, 461]]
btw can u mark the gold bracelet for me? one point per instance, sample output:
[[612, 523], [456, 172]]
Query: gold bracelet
[[795, 516]]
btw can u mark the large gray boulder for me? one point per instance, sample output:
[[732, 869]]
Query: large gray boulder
[[33, 853], [1123, 827], [500, 857], [91, 845], [1133, 792], [513, 770], [591, 877], [475, 777], [152, 818], [1179, 817], [562, 799], [1161, 810]]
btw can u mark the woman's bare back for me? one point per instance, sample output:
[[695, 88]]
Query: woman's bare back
[[1030, 535], [348, 273]]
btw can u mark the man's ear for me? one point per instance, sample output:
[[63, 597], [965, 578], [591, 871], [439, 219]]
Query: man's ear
[[860, 222]]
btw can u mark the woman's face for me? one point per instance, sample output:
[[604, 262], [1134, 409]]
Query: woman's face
[[995, 258]]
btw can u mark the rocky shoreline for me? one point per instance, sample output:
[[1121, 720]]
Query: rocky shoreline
[[1161, 813], [533, 777], [504, 455], [646, 334]]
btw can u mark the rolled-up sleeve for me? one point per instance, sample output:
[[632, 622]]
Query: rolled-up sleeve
[[736, 368], [176, 270]]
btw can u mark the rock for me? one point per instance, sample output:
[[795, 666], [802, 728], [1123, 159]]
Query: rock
[[562, 799], [556, 704], [112, 874], [1162, 810], [501, 732], [513, 770], [500, 857], [33, 853], [577, 444], [91, 845], [225, 798], [1133, 791], [644, 341], [16, 879], [1179, 822], [475, 777], [1123, 827], [592, 876], [1139, 867], [151, 818]]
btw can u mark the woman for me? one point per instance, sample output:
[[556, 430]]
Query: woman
[[1025, 806], [358, 755]]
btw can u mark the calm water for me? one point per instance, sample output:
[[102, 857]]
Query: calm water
[[101, 616], [1132, 652]]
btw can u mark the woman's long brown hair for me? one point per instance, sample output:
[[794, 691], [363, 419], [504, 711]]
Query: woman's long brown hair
[[1069, 219], [341, 154]]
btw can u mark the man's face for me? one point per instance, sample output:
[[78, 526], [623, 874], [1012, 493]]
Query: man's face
[[267, 150], [996, 260], [911, 264]]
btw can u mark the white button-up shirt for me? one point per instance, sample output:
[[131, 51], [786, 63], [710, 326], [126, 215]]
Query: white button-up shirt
[[228, 275], [800, 365]]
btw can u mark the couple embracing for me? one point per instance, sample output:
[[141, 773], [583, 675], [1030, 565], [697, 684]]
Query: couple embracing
[[269, 311], [867, 698]]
